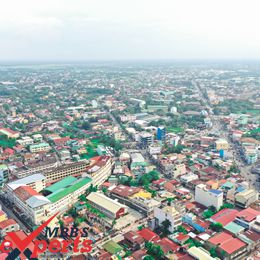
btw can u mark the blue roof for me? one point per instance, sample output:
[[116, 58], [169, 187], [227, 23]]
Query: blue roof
[[217, 192]]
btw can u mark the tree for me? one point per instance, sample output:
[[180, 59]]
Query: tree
[[227, 206], [213, 252], [149, 257], [166, 224], [216, 226], [86, 125], [182, 229]]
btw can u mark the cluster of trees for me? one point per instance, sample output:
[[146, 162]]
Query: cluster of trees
[[234, 106], [255, 133], [216, 227], [173, 149], [154, 250]]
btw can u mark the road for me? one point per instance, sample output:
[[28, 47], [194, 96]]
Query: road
[[245, 170]]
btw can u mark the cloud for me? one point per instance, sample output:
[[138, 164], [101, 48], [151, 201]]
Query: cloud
[[116, 29]]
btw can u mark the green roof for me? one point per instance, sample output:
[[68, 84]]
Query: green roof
[[61, 184], [112, 247], [3, 167], [228, 184], [234, 228], [63, 192]]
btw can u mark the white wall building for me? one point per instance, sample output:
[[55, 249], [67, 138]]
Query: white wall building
[[208, 197]]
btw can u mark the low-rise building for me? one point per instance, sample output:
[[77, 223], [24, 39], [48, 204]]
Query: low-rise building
[[111, 208], [8, 225], [41, 147], [245, 198]]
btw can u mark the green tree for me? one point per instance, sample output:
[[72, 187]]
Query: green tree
[[166, 224], [216, 226], [213, 252], [182, 229]]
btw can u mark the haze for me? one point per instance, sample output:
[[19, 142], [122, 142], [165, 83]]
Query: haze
[[129, 29]]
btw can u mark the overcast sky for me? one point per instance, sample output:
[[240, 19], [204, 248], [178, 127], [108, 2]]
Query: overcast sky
[[129, 29]]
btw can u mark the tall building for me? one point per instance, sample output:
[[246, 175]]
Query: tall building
[[208, 197], [4, 174], [146, 139], [170, 213], [161, 133]]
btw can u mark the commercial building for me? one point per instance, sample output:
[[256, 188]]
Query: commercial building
[[221, 144], [146, 139], [41, 147], [161, 133], [100, 169], [245, 198], [35, 181], [208, 197], [111, 208], [75, 169], [25, 141], [4, 174], [63, 194], [170, 213]]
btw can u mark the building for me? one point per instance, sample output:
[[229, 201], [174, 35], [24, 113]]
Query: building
[[221, 144], [225, 243], [8, 225], [245, 198], [75, 169], [170, 213], [199, 253], [161, 133], [111, 208], [4, 174], [247, 217], [27, 202], [145, 139], [224, 216], [63, 194], [134, 240], [9, 133], [35, 181], [41, 147], [208, 197], [188, 178], [100, 169], [25, 141]]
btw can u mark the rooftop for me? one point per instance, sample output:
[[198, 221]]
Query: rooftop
[[64, 191]]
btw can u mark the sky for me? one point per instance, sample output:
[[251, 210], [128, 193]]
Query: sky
[[64, 30]]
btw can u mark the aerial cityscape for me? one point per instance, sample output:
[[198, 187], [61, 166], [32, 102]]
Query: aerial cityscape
[[129, 130]]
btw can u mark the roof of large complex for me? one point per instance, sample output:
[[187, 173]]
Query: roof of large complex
[[27, 180], [61, 184], [199, 253], [125, 191], [104, 202], [32, 198], [63, 191]]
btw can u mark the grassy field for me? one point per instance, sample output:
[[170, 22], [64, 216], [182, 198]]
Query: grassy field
[[175, 130], [7, 143], [91, 149]]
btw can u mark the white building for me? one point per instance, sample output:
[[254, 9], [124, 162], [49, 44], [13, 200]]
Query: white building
[[188, 177], [170, 213], [208, 197]]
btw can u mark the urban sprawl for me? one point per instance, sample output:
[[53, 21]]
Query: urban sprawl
[[155, 161]]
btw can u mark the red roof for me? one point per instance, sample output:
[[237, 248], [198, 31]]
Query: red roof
[[168, 245], [125, 191], [25, 192], [248, 214], [227, 242], [6, 223], [225, 216], [158, 182], [148, 235]]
